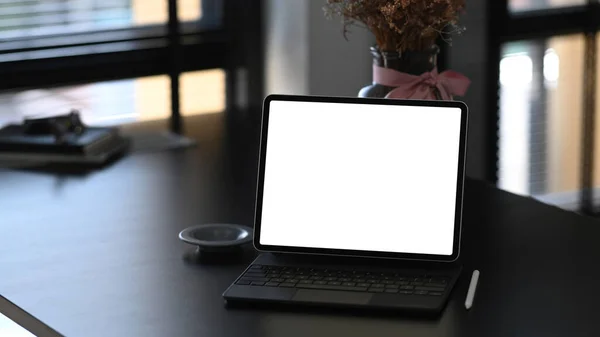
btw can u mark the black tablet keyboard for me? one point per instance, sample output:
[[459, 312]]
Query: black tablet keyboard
[[345, 280]]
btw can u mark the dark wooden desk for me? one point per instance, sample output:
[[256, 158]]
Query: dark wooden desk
[[98, 255]]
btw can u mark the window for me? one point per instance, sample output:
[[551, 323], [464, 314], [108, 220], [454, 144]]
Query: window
[[71, 44], [531, 5], [541, 92], [121, 101], [545, 94], [38, 18]]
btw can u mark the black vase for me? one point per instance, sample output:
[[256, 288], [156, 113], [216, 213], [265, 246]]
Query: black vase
[[410, 62]]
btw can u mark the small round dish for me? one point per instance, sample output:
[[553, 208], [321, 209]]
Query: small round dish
[[216, 237]]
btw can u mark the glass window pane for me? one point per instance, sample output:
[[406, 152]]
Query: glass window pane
[[541, 100], [22, 18], [189, 10], [119, 102], [156, 11], [202, 92], [528, 5], [149, 11]]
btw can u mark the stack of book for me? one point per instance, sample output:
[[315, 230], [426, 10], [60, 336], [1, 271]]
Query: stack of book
[[62, 139]]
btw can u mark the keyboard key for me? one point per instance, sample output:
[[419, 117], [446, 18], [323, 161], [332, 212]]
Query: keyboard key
[[302, 277], [421, 292], [349, 284], [387, 282], [435, 293], [315, 278], [305, 282], [438, 284], [330, 279], [334, 283], [406, 292], [407, 288], [363, 284], [438, 280], [391, 286], [372, 281], [344, 279], [359, 280], [272, 284], [287, 285], [320, 282], [292, 280], [378, 285], [430, 289], [277, 280], [376, 290], [258, 283], [402, 283], [253, 274], [255, 279], [243, 283], [330, 287], [391, 291]]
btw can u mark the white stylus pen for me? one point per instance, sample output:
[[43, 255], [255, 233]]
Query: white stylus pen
[[472, 289]]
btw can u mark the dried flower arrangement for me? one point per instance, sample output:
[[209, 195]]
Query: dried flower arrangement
[[401, 25]]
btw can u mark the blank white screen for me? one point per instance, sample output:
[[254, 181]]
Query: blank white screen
[[361, 177], [8, 328]]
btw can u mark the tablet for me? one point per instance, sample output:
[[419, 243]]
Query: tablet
[[378, 178], [16, 322]]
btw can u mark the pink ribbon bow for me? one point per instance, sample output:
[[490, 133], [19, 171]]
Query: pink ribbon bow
[[448, 83]]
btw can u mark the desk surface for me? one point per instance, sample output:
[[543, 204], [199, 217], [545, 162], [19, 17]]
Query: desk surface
[[98, 255]]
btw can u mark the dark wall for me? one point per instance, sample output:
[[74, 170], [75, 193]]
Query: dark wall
[[468, 56]]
